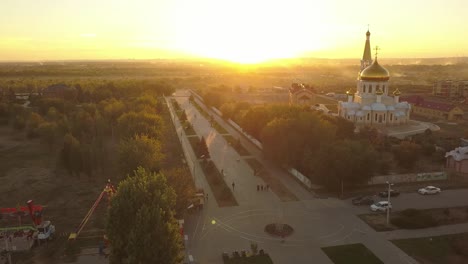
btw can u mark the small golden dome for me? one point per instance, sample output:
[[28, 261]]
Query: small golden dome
[[375, 72], [349, 92], [396, 92], [379, 92]]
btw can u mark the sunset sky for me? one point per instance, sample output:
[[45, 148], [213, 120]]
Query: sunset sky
[[236, 30]]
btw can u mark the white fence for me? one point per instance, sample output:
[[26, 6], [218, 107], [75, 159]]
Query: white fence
[[217, 111], [412, 177], [300, 177], [252, 139]]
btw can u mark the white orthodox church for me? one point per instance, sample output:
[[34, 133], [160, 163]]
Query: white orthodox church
[[371, 104]]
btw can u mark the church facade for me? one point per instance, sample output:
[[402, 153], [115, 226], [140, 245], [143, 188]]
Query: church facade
[[373, 104]]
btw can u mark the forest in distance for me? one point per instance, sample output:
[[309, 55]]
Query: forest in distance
[[409, 75]]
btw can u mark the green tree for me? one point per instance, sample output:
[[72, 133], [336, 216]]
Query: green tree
[[182, 182], [71, 154], [140, 123], [406, 154], [140, 151], [344, 163], [34, 121], [140, 224], [48, 131], [112, 109]]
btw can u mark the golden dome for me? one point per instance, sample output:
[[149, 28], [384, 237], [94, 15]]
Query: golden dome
[[379, 92], [375, 72], [396, 92], [349, 92]]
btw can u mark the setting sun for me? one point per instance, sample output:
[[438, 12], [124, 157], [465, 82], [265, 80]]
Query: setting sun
[[247, 31]]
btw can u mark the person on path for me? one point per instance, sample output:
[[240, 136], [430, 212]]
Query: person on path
[[233, 185]]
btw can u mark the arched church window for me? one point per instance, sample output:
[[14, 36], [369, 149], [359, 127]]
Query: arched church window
[[368, 116], [364, 88]]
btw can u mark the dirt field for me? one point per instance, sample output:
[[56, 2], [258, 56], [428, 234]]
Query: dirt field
[[28, 170]]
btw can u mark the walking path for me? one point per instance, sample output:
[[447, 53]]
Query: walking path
[[426, 232], [317, 222]]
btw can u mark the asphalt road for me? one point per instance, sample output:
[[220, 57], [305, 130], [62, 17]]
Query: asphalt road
[[448, 198]]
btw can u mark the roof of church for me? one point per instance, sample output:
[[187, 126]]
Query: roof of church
[[375, 72], [296, 87]]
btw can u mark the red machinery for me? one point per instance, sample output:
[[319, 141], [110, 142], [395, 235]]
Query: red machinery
[[108, 191]]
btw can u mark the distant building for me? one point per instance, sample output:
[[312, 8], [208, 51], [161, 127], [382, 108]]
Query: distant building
[[57, 91], [301, 94], [457, 160], [450, 89], [372, 103], [436, 110]]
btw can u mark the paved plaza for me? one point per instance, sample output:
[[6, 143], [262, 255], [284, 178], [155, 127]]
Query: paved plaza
[[316, 222]]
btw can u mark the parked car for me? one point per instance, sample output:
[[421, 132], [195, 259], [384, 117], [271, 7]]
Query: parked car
[[393, 193], [381, 206], [429, 190], [363, 200]]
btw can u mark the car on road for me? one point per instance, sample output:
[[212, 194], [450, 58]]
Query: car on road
[[381, 206], [429, 190], [393, 193], [363, 200]]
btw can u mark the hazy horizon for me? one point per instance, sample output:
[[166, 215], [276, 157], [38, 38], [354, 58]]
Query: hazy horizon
[[242, 31]]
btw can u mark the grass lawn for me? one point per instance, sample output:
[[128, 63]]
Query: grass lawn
[[441, 216], [236, 145], [275, 185], [221, 191], [257, 259], [439, 249], [352, 253]]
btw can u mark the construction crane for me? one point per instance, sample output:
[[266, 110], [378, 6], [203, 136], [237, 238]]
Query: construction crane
[[108, 191]]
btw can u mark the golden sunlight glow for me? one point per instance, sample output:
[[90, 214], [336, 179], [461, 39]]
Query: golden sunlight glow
[[247, 31]]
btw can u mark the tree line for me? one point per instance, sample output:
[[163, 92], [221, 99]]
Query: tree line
[[124, 134], [325, 148]]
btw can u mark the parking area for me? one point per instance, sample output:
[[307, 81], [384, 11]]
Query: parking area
[[448, 198]]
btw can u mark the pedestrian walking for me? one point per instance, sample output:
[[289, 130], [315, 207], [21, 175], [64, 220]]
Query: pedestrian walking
[[233, 185]]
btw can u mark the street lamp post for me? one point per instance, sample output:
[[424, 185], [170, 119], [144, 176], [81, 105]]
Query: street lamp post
[[388, 200]]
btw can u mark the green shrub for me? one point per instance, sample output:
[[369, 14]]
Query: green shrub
[[413, 219], [410, 212]]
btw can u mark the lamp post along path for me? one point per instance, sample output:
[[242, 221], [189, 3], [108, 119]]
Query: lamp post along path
[[388, 200]]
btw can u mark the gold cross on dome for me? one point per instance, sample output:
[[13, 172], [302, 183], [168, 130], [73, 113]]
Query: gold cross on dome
[[376, 50]]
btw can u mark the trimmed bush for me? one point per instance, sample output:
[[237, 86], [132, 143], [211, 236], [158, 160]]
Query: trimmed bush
[[413, 219]]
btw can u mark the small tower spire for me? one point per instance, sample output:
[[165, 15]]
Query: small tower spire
[[367, 55]]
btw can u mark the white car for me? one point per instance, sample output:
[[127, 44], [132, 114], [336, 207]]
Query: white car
[[429, 190], [381, 206]]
